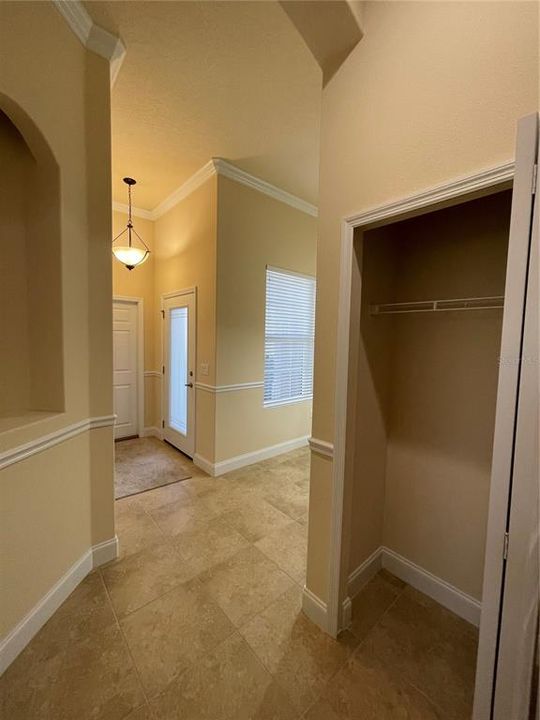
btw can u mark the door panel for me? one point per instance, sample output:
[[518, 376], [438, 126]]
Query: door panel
[[179, 371], [125, 369], [491, 649]]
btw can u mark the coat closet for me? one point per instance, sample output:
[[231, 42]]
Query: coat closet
[[442, 440]]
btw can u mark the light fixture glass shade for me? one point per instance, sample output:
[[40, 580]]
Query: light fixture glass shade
[[130, 256]]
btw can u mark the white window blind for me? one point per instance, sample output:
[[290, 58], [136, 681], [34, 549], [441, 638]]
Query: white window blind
[[289, 337]]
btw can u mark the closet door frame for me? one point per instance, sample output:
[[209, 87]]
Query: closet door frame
[[453, 193]]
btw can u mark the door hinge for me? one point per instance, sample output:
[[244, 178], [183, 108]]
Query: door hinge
[[163, 369], [163, 314], [534, 179], [163, 423], [505, 546]]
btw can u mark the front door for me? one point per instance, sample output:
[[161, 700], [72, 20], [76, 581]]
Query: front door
[[178, 371], [125, 369]]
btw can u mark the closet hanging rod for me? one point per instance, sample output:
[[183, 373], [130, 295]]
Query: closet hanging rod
[[493, 302]]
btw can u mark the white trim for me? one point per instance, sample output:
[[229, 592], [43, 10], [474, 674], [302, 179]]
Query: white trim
[[346, 613], [153, 373], [135, 211], [466, 185], [104, 552], [441, 591], [92, 36], [139, 302], [225, 169], [364, 572], [177, 293], [451, 192], [434, 587], [239, 461], [321, 447], [229, 388], [44, 442], [152, 431], [19, 637], [315, 608], [189, 186], [218, 166]]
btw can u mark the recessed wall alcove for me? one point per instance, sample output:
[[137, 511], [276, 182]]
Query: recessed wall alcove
[[31, 345]]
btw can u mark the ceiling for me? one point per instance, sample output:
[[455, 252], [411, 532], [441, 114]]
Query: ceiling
[[211, 79]]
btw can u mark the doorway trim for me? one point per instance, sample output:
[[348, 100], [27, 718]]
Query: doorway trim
[[139, 302], [168, 296], [453, 192]]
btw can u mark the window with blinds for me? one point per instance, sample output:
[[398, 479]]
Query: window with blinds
[[289, 337]]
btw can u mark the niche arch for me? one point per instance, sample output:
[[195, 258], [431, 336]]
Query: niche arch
[[31, 351]]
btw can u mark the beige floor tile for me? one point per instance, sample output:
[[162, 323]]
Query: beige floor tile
[[373, 601], [182, 516], [228, 684], [142, 713], [215, 543], [363, 690], [426, 645], [245, 584], [300, 657], [170, 633], [256, 518], [164, 495], [136, 533], [145, 576], [87, 678], [289, 498], [287, 547]]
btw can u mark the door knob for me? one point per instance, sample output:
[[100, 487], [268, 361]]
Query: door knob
[[188, 384]]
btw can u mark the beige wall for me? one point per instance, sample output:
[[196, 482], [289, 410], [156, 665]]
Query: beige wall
[[422, 99], [59, 502], [140, 283], [254, 231], [185, 241]]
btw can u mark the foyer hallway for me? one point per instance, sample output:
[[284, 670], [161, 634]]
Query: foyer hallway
[[200, 619]]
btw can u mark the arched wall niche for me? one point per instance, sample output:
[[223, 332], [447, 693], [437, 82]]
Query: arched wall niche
[[31, 348]]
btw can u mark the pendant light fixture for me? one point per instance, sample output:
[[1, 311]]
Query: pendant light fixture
[[130, 255]]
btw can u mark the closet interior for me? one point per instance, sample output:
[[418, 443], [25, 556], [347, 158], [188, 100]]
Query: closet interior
[[429, 296]]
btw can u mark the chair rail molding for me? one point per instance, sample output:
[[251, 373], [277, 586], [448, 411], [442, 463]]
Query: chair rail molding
[[39, 444], [229, 388], [321, 447], [92, 36], [453, 191]]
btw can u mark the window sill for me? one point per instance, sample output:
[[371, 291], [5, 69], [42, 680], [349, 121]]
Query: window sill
[[281, 403]]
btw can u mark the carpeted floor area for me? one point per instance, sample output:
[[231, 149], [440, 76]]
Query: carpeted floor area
[[143, 464]]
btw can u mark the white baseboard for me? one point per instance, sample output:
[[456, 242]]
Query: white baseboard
[[104, 552], [439, 590], [151, 432], [315, 609], [364, 572], [16, 640], [239, 461]]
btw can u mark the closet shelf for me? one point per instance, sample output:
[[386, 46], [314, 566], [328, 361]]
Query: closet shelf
[[494, 302]]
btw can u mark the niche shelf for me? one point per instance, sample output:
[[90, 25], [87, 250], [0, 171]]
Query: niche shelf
[[492, 302]]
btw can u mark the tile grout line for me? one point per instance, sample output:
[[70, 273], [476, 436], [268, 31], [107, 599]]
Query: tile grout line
[[135, 668]]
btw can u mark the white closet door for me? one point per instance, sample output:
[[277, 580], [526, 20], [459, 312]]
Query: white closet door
[[125, 369], [508, 596]]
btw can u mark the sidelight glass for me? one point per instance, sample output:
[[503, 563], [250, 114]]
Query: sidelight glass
[[178, 354]]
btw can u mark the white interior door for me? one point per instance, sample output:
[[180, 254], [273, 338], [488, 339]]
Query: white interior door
[[125, 387], [179, 371], [510, 590]]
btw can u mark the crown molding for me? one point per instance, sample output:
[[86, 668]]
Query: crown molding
[[195, 181], [137, 212], [218, 166], [225, 169], [92, 36]]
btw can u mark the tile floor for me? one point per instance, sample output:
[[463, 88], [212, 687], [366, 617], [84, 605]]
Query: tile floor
[[200, 619]]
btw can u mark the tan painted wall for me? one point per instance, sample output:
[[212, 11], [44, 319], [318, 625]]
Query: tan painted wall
[[185, 243], [254, 231], [140, 283], [422, 99], [59, 502]]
